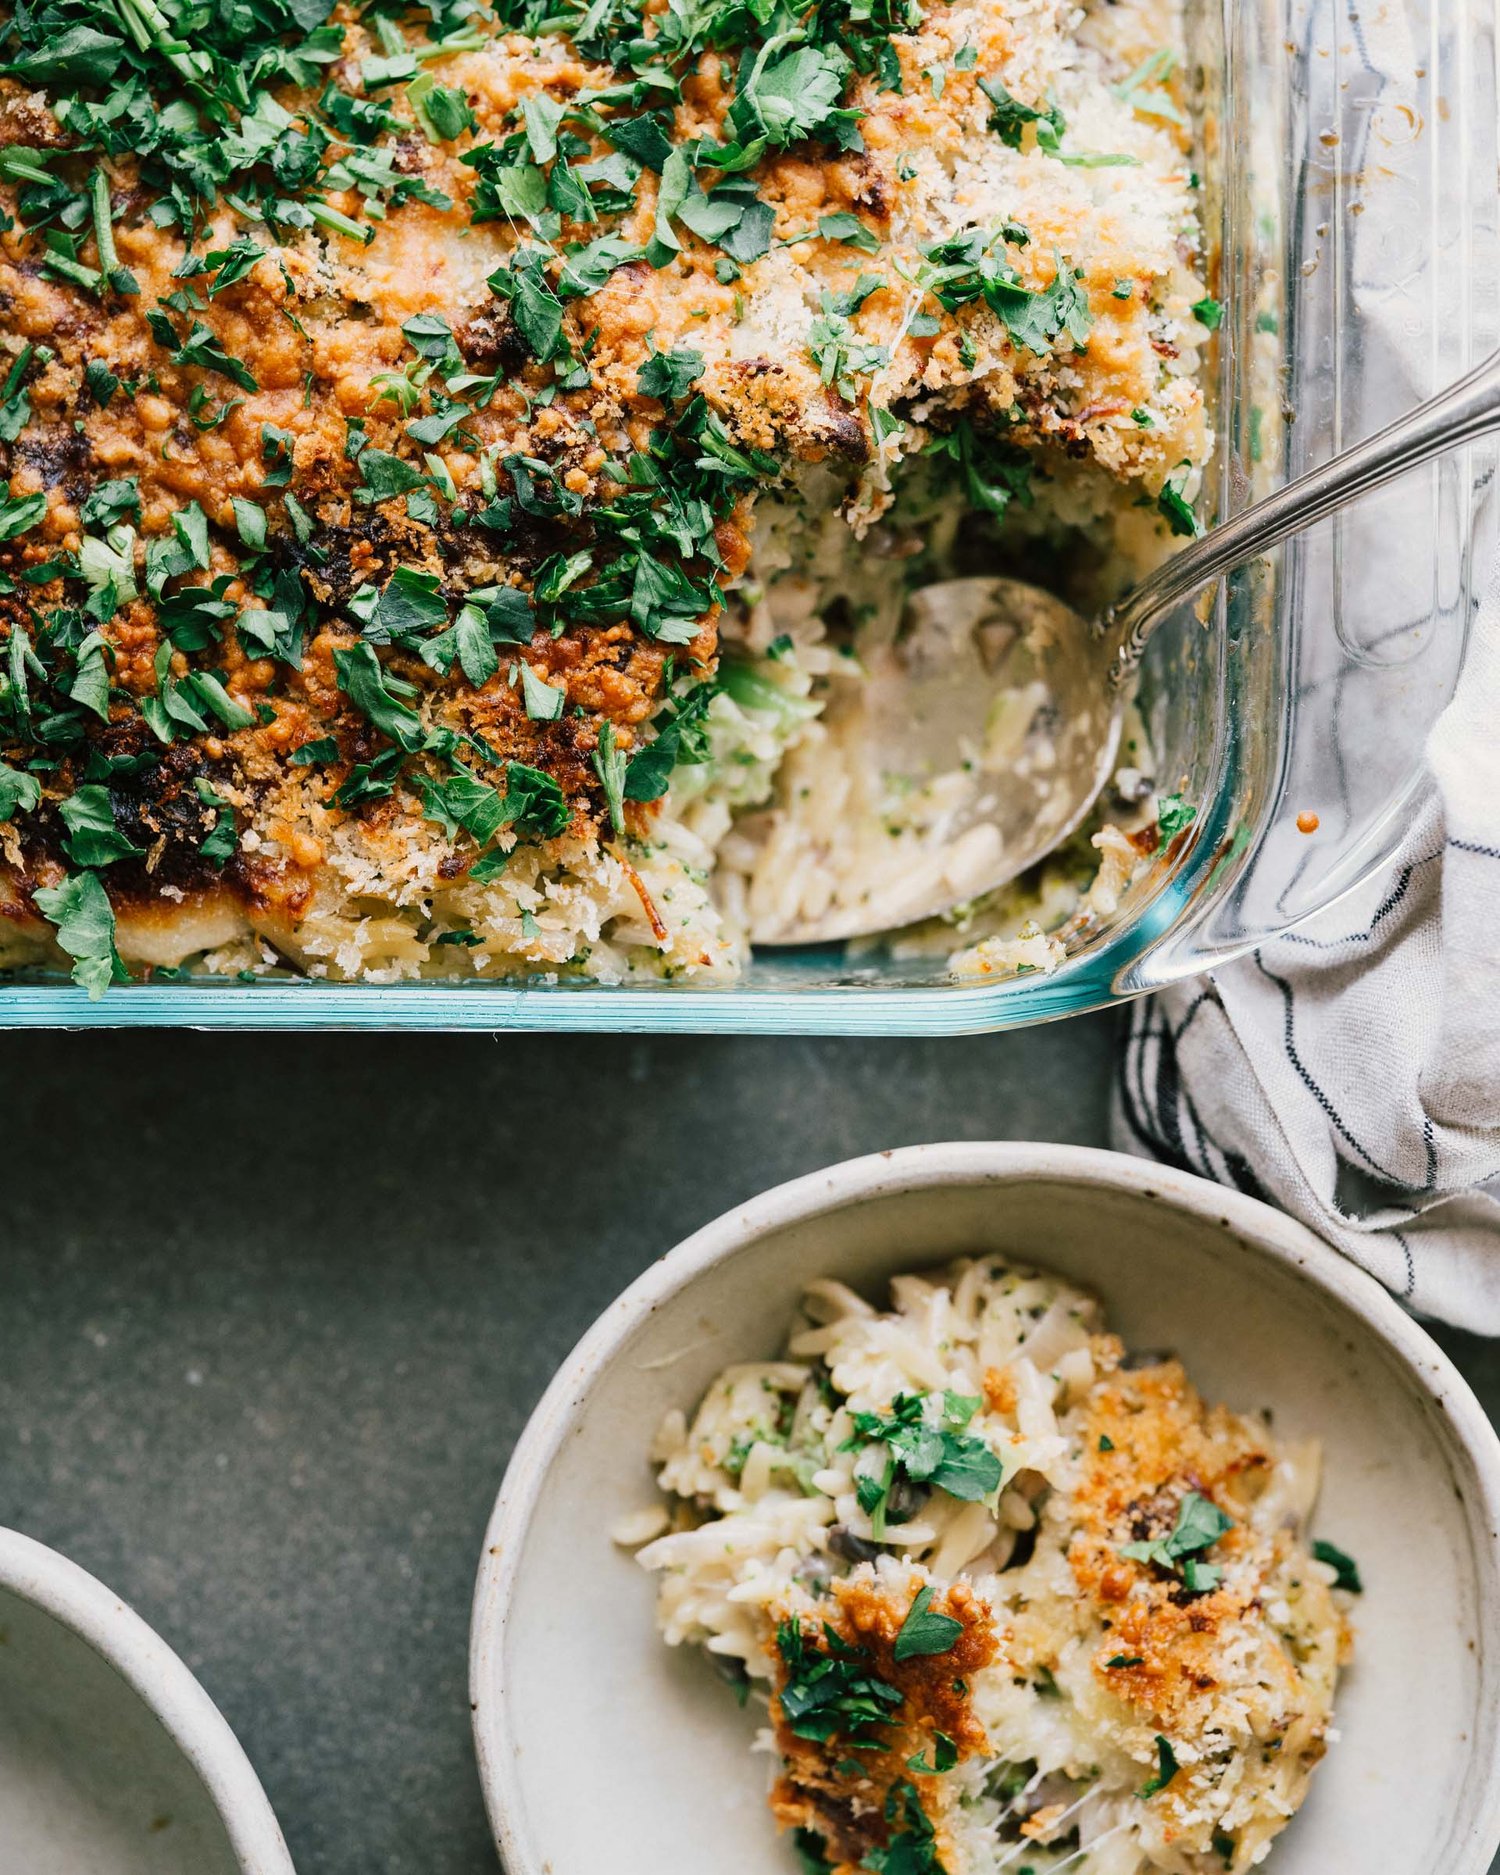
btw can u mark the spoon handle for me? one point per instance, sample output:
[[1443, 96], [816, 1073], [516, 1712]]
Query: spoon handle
[[1464, 412]]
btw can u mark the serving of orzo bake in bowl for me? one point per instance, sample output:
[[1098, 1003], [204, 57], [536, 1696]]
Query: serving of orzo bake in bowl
[[460, 463], [945, 1547]]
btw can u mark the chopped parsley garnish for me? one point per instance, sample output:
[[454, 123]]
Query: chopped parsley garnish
[[19, 793], [1167, 1768], [923, 1632], [198, 346], [924, 1442], [670, 375], [1174, 505], [849, 229], [1173, 814], [377, 696], [1346, 1570], [1010, 117], [911, 1848], [944, 1757], [808, 1849], [831, 1692], [681, 738], [974, 265], [20, 513], [544, 701], [1200, 1523], [611, 767], [93, 838], [995, 473], [842, 357], [1142, 91], [534, 804], [84, 923]]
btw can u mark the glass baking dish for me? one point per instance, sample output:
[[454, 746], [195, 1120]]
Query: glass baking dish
[[1349, 158]]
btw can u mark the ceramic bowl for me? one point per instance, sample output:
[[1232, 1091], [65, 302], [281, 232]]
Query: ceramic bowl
[[599, 1748], [113, 1759]]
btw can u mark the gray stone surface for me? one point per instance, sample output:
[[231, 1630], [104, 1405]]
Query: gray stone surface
[[275, 1310]]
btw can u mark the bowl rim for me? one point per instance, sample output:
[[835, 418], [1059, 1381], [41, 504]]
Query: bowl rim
[[874, 1175], [106, 1624]]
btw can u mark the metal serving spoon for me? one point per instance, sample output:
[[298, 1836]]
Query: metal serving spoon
[[998, 708]]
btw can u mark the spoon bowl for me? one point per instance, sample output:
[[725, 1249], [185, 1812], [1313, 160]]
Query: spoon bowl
[[987, 728], [984, 734]]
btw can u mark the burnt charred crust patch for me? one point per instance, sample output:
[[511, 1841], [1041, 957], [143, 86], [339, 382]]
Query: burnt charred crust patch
[[489, 340], [839, 429]]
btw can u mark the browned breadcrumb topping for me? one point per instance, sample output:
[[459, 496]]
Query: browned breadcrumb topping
[[1149, 1440], [310, 344], [817, 1790]]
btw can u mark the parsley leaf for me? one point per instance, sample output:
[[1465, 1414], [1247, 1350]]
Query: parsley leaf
[[1346, 1570], [19, 793], [94, 839], [995, 473], [475, 647], [360, 676], [670, 375], [926, 1448], [1037, 320], [84, 920], [101, 382], [923, 1632], [543, 701], [90, 685], [832, 1692], [322, 749], [808, 1848], [1010, 116], [411, 603], [850, 230], [1173, 814], [609, 766], [19, 513], [534, 803], [201, 348], [680, 737], [1200, 1524], [535, 308], [780, 100], [1167, 1768], [1174, 506], [384, 476], [944, 1757], [79, 55], [841, 355], [463, 800], [222, 839], [912, 1846]]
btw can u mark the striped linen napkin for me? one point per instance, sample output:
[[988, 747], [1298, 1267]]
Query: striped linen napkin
[[1349, 1072]]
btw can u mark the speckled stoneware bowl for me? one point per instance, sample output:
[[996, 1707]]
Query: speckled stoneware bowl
[[113, 1759], [601, 1749]]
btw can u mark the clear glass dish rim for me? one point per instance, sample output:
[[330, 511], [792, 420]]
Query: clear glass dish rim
[[1088, 982]]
